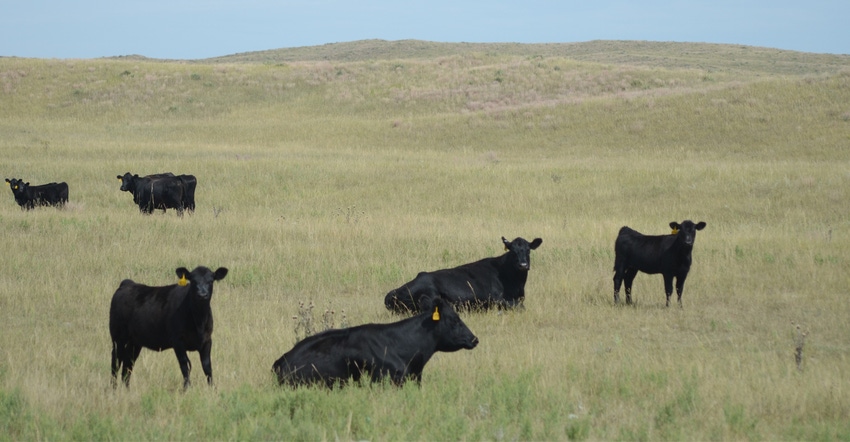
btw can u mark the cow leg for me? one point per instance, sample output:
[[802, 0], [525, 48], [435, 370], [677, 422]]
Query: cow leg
[[127, 355], [206, 363], [618, 280], [116, 364], [185, 365], [629, 277], [680, 286], [668, 287]]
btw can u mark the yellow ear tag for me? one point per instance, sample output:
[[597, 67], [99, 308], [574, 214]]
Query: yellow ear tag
[[675, 231], [183, 281], [436, 315], [15, 187]]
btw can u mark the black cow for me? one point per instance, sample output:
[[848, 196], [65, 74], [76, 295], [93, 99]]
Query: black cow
[[175, 316], [158, 191], [491, 282], [669, 255], [29, 197], [189, 184], [398, 351]]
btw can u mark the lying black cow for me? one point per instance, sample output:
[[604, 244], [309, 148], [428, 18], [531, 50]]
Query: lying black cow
[[30, 197], [491, 282], [398, 351], [159, 191], [669, 255], [176, 316]]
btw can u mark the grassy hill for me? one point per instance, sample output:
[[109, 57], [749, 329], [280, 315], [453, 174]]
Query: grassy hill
[[329, 175], [670, 55]]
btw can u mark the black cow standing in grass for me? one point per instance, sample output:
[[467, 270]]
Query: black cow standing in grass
[[189, 184], [669, 255], [29, 197], [175, 316], [159, 191], [397, 351], [491, 282]]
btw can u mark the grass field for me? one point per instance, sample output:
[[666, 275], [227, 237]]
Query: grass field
[[328, 176]]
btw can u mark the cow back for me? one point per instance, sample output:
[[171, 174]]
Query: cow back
[[146, 315]]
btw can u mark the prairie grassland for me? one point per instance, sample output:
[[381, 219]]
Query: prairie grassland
[[331, 182]]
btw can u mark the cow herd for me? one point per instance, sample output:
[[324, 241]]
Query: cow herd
[[158, 191], [179, 316]]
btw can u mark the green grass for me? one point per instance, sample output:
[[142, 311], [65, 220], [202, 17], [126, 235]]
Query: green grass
[[331, 178]]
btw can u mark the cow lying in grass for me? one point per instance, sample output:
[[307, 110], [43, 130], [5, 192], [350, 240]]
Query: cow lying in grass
[[491, 282], [669, 255], [397, 351], [175, 316]]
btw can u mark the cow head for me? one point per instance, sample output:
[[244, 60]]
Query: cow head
[[14, 184], [200, 280], [520, 251], [127, 181], [18, 187], [687, 230], [452, 334]]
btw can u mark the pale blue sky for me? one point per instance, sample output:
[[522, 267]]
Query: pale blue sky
[[193, 29]]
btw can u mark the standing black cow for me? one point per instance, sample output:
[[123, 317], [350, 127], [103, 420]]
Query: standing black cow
[[189, 184], [176, 316], [669, 255], [490, 282], [29, 197], [158, 191], [398, 351]]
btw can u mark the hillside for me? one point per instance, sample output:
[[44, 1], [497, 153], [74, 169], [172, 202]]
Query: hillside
[[668, 55]]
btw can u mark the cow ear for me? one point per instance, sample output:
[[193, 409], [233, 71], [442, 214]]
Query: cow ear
[[506, 243], [220, 273], [536, 243], [120, 177], [700, 225], [675, 226], [427, 302], [181, 273]]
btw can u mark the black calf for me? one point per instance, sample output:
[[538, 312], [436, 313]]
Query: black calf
[[669, 255], [175, 316]]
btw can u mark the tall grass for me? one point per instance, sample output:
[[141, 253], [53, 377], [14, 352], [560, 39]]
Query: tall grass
[[333, 182]]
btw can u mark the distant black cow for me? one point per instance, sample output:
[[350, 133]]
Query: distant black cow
[[490, 282], [176, 316], [398, 351], [159, 191], [189, 184], [669, 255], [29, 197]]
